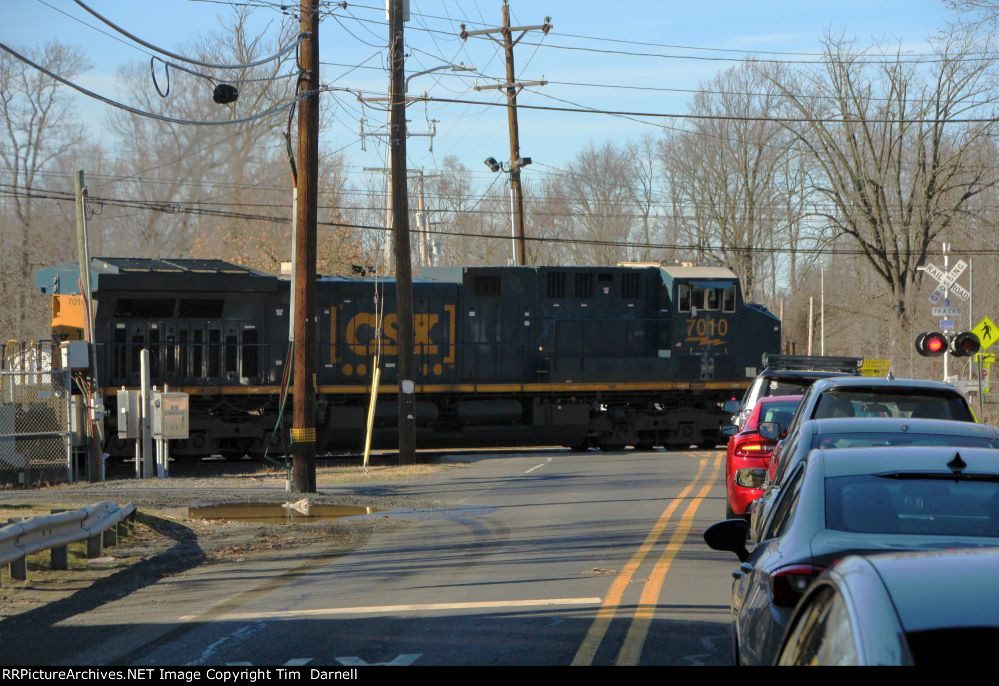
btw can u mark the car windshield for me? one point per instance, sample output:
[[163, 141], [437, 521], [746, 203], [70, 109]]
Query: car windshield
[[927, 504], [878, 439], [845, 402]]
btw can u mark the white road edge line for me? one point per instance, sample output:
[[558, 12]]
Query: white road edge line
[[390, 609], [534, 467]]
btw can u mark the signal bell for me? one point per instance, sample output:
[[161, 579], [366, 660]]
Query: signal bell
[[931, 344], [965, 344]]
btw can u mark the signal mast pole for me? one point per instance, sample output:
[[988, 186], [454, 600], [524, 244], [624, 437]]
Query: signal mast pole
[[303, 432]]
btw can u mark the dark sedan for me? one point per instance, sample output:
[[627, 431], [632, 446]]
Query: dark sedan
[[840, 502], [904, 609], [834, 434]]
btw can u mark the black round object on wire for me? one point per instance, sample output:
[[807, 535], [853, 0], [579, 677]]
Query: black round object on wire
[[225, 93]]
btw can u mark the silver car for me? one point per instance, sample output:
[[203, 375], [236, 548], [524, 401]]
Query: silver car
[[840, 502], [904, 609]]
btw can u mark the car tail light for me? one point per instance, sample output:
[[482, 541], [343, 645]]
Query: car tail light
[[754, 446], [787, 584]]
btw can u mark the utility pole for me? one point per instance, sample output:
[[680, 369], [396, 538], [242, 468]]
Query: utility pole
[[400, 224], [303, 431], [95, 460], [512, 87]]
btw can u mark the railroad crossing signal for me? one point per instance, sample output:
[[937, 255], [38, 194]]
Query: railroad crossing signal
[[947, 282], [931, 344], [935, 344], [986, 332]]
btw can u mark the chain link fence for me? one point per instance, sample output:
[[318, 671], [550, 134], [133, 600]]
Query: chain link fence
[[35, 424]]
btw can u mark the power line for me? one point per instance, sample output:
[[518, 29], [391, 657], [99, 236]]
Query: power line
[[179, 208], [142, 113], [280, 53], [714, 117], [607, 39], [169, 64], [847, 57]]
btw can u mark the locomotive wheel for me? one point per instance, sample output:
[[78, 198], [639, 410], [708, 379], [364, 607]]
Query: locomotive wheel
[[707, 445], [645, 447], [611, 447]]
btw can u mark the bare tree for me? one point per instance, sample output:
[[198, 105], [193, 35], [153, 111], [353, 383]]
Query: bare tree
[[891, 152], [733, 179], [646, 182], [40, 129], [212, 166]]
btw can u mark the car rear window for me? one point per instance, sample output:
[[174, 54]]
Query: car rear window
[[931, 504], [879, 439], [786, 386], [923, 405], [780, 412]]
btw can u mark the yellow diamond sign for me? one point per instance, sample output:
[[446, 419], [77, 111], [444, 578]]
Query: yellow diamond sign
[[986, 332]]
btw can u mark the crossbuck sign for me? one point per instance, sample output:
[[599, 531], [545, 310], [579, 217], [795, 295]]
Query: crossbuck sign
[[947, 282]]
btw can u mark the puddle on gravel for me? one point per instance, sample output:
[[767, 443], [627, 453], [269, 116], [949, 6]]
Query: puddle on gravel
[[275, 512]]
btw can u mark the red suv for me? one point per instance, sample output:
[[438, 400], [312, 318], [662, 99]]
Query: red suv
[[748, 454]]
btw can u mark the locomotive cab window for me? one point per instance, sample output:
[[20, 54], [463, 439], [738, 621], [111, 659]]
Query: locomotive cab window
[[713, 297], [683, 297], [728, 299]]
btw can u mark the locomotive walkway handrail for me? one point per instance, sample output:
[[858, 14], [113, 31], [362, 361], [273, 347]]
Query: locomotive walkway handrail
[[97, 524]]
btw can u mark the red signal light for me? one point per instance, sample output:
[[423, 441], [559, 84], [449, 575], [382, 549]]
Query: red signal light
[[965, 344], [932, 344]]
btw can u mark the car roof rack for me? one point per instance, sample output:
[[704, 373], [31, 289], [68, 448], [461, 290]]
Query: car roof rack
[[812, 363]]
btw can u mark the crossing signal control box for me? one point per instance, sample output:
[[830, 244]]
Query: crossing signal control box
[[171, 415], [129, 414]]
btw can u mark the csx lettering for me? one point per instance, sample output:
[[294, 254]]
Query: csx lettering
[[362, 341]]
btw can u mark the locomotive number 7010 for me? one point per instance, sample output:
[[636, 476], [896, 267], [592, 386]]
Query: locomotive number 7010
[[707, 328]]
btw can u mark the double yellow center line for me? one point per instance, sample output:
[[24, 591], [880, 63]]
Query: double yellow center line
[[631, 649]]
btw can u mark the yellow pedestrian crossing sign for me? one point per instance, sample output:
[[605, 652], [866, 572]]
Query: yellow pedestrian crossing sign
[[986, 332]]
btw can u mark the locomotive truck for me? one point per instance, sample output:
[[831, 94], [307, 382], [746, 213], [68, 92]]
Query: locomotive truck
[[606, 357]]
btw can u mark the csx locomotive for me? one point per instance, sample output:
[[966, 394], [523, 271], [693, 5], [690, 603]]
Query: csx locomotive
[[604, 357]]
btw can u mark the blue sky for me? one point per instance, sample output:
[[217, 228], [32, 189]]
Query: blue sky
[[474, 133]]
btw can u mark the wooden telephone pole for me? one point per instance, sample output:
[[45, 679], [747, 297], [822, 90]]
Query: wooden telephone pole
[[400, 224], [303, 432], [512, 87]]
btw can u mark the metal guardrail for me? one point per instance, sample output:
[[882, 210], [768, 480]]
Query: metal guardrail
[[98, 524]]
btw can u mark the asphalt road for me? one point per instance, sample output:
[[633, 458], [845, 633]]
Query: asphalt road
[[547, 558]]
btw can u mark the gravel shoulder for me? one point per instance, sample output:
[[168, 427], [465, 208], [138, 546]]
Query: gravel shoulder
[[165, 542]]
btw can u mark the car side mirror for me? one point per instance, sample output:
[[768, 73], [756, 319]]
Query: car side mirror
[[729, 535], [770, 430], [729, 429], [731, 406]]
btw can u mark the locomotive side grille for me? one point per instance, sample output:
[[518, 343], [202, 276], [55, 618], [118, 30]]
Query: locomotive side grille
[[556, 282]]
